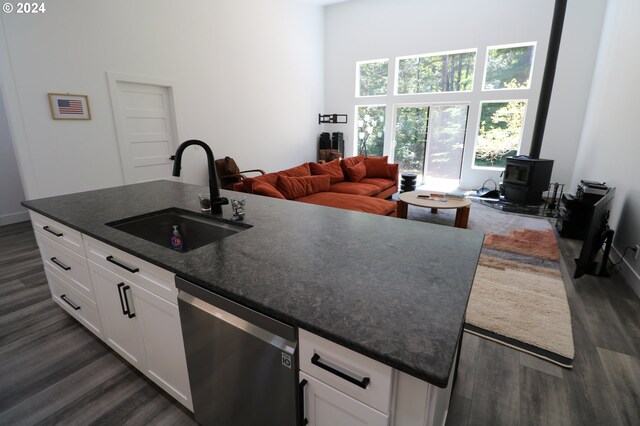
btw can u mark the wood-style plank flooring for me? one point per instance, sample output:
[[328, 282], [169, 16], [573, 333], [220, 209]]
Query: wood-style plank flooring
[[53, 371], [500, 386]]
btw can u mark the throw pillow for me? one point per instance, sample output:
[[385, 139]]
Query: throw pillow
[[331, 168], [350, 162], [377, 167], [357, 173], [263, 188], [296, 187]]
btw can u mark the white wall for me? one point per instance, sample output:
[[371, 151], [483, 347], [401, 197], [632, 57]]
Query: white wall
[[11, 193], [574, 72], [247, 80], [609, 149], [373, 29]]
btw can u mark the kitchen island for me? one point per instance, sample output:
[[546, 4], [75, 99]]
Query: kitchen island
[[395, 291]]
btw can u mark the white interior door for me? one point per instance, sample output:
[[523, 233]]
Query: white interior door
[[146, 128]]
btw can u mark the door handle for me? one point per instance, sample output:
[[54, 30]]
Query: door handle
[[131, 269], [302, 420], [126, 301], [74, 306], [60, 264], [362, 382], [124, 310], [56, 233]]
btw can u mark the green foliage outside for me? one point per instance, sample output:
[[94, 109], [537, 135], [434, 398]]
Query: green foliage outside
[[442, 73], [411, 138], [370, 132], [500, 132], [509, 68], [373, 78], [448, 127]]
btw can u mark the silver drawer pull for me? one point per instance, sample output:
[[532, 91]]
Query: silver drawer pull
[[60, 264], [350, 377]]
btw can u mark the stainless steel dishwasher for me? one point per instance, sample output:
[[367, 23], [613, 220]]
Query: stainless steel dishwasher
[[242, 364]]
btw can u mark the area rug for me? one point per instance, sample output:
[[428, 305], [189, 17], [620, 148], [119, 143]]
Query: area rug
[[518, 297]]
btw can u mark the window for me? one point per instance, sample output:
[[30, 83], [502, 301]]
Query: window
[[370, 129], [509, 67], [372, 77], [429, 140], [499, 132], [446, 72]]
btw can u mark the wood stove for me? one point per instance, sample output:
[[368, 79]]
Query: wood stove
[[526, 178]]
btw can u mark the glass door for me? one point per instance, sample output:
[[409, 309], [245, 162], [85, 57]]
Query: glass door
[[429, 141]]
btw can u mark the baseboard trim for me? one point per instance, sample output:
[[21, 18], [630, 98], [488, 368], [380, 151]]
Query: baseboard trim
[[632, 277], [10, 218]]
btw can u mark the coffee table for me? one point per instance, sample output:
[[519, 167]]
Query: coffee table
[[462, 206]]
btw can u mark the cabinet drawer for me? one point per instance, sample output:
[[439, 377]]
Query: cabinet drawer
[[339, 367], [67, 264], [150, 277], [57, 232], [75, 303], [325, 406]]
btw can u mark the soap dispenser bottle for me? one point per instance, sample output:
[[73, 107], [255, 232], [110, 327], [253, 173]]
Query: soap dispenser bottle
[[176, 239]]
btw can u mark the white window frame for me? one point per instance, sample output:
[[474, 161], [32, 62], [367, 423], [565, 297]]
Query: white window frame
[[428, 55], [372, 61], [508, 46], [475, 139]]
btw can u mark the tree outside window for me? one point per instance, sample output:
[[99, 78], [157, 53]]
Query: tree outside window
[[499, 132], [509, 67], [436, 73], [370, 129], [372, 77]]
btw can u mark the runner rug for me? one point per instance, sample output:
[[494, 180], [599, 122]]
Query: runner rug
[[518, 297]]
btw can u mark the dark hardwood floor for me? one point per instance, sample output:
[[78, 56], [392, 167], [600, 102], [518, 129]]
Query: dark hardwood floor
[[53, 371]]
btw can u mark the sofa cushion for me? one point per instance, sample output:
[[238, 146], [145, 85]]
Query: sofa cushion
[[300, 186], [332, 168], [355, 188], [379, 183], [263, 188], [377, 167], [350, 162], [351, 202], [272, 178], [357, 172]]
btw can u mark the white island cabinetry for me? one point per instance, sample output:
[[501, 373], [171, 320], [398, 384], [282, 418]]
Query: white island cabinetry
[[127, 302]]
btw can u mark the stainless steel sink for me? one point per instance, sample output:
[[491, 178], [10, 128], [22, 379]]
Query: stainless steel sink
[[196, 229]]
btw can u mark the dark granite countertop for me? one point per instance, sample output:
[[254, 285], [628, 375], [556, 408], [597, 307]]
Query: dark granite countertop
[[394, 290]]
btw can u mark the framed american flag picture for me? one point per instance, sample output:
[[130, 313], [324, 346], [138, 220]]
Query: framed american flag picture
[[69, 107]]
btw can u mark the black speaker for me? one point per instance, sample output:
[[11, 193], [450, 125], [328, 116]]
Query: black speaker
[[325, 140]]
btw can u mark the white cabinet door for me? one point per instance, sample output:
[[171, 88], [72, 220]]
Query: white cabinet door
[[118, 314], [162, 335], [326, 406]]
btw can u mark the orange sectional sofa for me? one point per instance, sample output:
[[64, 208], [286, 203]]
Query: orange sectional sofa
[[355, 183]]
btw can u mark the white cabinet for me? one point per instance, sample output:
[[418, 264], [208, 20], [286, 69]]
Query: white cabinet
[[129, 303], [326, 406], [335, 392], [166, 364], [114, 296], [145, 329]]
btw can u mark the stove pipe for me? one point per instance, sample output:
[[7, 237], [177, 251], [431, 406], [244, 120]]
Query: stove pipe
[[547, 78]]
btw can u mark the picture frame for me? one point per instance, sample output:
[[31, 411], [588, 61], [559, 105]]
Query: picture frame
[[65, 106]]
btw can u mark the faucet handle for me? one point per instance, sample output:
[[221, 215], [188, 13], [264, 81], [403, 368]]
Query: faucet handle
[[219, 201]]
